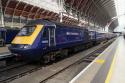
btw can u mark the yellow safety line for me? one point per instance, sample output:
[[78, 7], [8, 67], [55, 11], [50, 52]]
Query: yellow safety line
[[97, 54], [101, 61], [111, 68]]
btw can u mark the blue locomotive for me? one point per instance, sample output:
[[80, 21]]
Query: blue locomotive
[[7, 35], [44, 40]]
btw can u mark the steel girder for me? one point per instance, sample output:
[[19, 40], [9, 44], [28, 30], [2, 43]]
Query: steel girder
[[96, 11], [99, 10]]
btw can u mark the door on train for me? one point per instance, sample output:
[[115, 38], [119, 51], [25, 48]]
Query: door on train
[[51, 30]]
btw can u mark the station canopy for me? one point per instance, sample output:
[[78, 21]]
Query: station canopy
[[98, 12]]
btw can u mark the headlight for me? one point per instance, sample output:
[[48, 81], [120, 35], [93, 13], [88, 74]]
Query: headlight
[[21, 46], [26, 46]]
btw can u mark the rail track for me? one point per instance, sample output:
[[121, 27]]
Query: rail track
[[87, 59], [16, 71]]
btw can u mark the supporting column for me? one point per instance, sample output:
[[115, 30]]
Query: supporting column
[[106, 29], [61, 16], [88, 22], [1, 14], [61, 10]]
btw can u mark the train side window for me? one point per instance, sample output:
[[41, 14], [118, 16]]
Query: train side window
[[45, 33]]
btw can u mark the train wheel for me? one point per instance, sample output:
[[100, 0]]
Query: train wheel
[[53, 56], [66, 53], [46, 59]]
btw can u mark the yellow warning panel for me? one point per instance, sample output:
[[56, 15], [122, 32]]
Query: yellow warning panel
[[101, 61]]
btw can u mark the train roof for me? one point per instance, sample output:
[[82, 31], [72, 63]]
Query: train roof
[[40, 21], [47, 22], [99, 31]]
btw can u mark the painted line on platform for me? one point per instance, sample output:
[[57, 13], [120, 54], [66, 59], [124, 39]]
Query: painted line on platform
[[83, 71], [109, 75]]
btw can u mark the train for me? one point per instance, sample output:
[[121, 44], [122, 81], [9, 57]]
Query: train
[[7, 35], [44, 40]]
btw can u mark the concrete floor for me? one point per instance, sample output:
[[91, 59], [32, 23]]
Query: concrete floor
[[4, 49], [107, 68], [68, 74]]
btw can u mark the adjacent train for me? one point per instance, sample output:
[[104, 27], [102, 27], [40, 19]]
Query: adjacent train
[[44, 40], [7, 35]]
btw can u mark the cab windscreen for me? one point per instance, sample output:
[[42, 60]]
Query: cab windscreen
[[26, 31]]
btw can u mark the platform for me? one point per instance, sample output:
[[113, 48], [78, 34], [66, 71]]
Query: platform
[[4, 49], [4, 53], [108, 67]]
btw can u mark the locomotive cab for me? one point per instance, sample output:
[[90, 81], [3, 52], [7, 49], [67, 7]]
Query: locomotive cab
[[24, 42], [31, 40]]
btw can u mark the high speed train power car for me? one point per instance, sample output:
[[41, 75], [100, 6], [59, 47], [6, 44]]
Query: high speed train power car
[[44, 40]]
